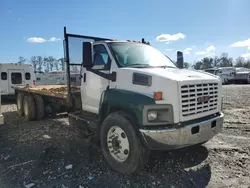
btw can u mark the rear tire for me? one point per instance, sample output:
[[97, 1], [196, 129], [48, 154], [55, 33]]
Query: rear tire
[[39, 107], [132, 152], [29, 108], [19, 103]]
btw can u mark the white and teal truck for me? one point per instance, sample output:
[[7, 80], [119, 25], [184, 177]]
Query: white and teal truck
[[135, 100]]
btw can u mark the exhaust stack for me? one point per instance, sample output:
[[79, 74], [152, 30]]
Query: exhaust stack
[[180, 60]]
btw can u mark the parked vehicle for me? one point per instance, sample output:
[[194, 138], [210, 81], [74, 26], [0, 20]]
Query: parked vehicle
[[133, 100], [227, 74], [14, 75], [242, 75]]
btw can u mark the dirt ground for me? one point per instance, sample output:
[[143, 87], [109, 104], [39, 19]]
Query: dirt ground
[[50, 153]]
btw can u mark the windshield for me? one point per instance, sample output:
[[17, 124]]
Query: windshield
[[139, 55]]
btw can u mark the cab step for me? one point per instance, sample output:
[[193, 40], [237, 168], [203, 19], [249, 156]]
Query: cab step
[[86, 122]]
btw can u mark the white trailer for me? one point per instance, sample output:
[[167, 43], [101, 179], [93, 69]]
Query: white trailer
[[13, 74], [227, 74], [242, 76]]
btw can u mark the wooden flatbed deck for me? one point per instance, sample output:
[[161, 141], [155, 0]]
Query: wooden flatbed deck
[[59, 91]]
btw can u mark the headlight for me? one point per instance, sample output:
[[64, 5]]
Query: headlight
[[158, 114], [152, 115]]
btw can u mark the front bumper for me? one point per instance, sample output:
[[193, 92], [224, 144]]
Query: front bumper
[[174, 138]]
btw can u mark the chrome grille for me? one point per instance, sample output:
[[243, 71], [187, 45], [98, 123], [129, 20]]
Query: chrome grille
[[191, 93]]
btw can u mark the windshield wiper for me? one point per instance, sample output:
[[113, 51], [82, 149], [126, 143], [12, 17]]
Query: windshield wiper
[[163, 66], [138, 65]]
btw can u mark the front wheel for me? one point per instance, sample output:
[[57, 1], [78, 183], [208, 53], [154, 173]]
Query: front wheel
[[121, 145]]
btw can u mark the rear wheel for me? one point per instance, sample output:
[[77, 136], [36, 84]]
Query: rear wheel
[[19, 103], [29, 108], [121, 144], [39, 107]]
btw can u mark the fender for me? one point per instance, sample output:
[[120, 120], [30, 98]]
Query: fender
[[128, 101]]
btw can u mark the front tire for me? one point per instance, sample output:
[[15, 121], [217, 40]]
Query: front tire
[[121, 145]]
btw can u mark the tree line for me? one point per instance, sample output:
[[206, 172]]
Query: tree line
[[222, 61], [47, 64], [44, 64]]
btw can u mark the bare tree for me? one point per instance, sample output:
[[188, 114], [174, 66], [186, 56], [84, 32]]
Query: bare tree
[[39, 63], [240, 62], [46, 64], [207, 62], [34, 62], [216, 61], [51, 61], [226, 61], [21, 60], [56, 62], [62, 63], [186, 65], [197, 65]]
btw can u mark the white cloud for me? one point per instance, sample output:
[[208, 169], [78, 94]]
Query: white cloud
[[42, 40], [169, 49], [36, 40], [168, 37], [209, 51], [210, 48], [53, 39], [246, 55], [244, 43], [187, 50]]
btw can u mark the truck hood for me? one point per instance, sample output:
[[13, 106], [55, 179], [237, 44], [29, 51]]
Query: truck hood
[[176, 74]]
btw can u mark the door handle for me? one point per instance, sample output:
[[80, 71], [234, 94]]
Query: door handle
[[84, 77]]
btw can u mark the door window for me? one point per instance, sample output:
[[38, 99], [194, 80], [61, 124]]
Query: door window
[[16, 78], [27, 76], [4, 75], [101, 58]]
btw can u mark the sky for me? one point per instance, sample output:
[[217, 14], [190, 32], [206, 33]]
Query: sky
[[198, 28]]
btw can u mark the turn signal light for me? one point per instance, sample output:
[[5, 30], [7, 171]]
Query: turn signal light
[[158, 95]]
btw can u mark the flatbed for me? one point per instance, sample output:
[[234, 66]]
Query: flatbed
[[46, 100], [59, 91]]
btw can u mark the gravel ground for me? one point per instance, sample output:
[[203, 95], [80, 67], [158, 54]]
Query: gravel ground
[[50, 153]]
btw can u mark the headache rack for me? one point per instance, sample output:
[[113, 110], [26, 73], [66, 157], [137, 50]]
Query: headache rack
[[73, 55], [74, 61]]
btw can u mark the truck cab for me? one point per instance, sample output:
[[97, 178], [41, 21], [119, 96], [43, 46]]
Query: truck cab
[[142, 102]]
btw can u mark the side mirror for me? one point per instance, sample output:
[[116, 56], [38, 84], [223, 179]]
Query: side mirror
[[180, 60], [87, 54]]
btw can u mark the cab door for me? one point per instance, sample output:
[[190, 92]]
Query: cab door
[[94, 85]]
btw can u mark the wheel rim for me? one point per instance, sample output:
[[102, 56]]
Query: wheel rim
[[118, 144], [25, 107]]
